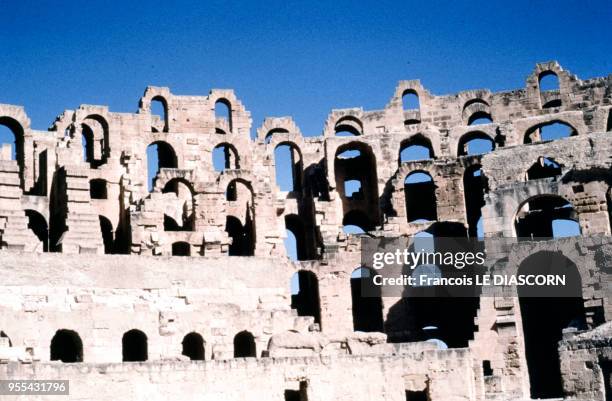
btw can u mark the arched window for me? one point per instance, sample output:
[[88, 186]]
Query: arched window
[[179, 212], [480, 117], [244, 345], [410, 100], [348, 126], [545, 217], [366, 301], [305, 294], [416, 148], [545, 167], [300, 242], [273, 131], [288, 164], [134, 346], [97, 189], [159, 155], [225, 157], [473, 189], [181, 248], [66, 346], [548, 81], [356, 222], [193, 346], [11, 139], [356, 180], [420, 193], [38, 225], [243, 243], [106, 228], [549, 131], [88, 144], [546, 311], [475, 143], [223, 113], [95, 140], [159, 114]]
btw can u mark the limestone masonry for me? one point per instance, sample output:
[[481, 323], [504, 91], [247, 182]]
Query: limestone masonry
[[143, 253]]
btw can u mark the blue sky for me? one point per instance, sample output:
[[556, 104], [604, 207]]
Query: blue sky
[[286, 58]]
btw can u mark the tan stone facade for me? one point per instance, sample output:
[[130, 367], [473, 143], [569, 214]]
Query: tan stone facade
[[195, 301]]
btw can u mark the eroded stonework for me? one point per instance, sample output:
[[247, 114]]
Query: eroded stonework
[[195, 300]]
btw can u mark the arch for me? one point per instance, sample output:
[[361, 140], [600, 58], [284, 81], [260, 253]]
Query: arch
[[243, 242], [181, 248], [609, 123], [38, 225], [544, 167], [410, 100], [8, 339], [193, 346], [66, 346], [244, 345], [535, 218], [223, 111], [88, 143], [95, 140], [97, 189], [473, 191], [273, 131], [355, 161], [359, 220], [546, 311], [134, 346], [305, 295], [289, 167], [548, 131], [106, 228], [420, 197], [159, 114], [159, 155], [474, 143], [366, 301], [480, 117], [225, 156], [548, 81], [348, 126], [476, 111], [417, 147], [303, 245], [182, 217], [12, 135]]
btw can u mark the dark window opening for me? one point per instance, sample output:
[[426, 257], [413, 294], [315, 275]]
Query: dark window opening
[[473, 188], [305, 295], [487, 370], [159, 155], [193, 346], [552, 104], [544, 318], [181, 248], [244, 345], [97, 189], [416, 148], [411, 121], [549, 131], [417, 396], [475, 143], [544, 168], [606, 370], [366, 301], [106, 228], [38, 225], [159, 114], [545, 217], [134, 346], [297, 395], [288, 167], [8, 340], [410, 100], [66, 346], [609, 124], [183, 217], [302, 244], [356, 222], [480, 117], [420, 194], [11, 139], [243, 242], [87, 141], [356, 161], [225, 157]]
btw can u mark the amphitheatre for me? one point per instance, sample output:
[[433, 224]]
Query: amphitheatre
[[176, 284]]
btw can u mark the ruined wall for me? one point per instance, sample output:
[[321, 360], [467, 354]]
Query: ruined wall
[[81, 190]]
